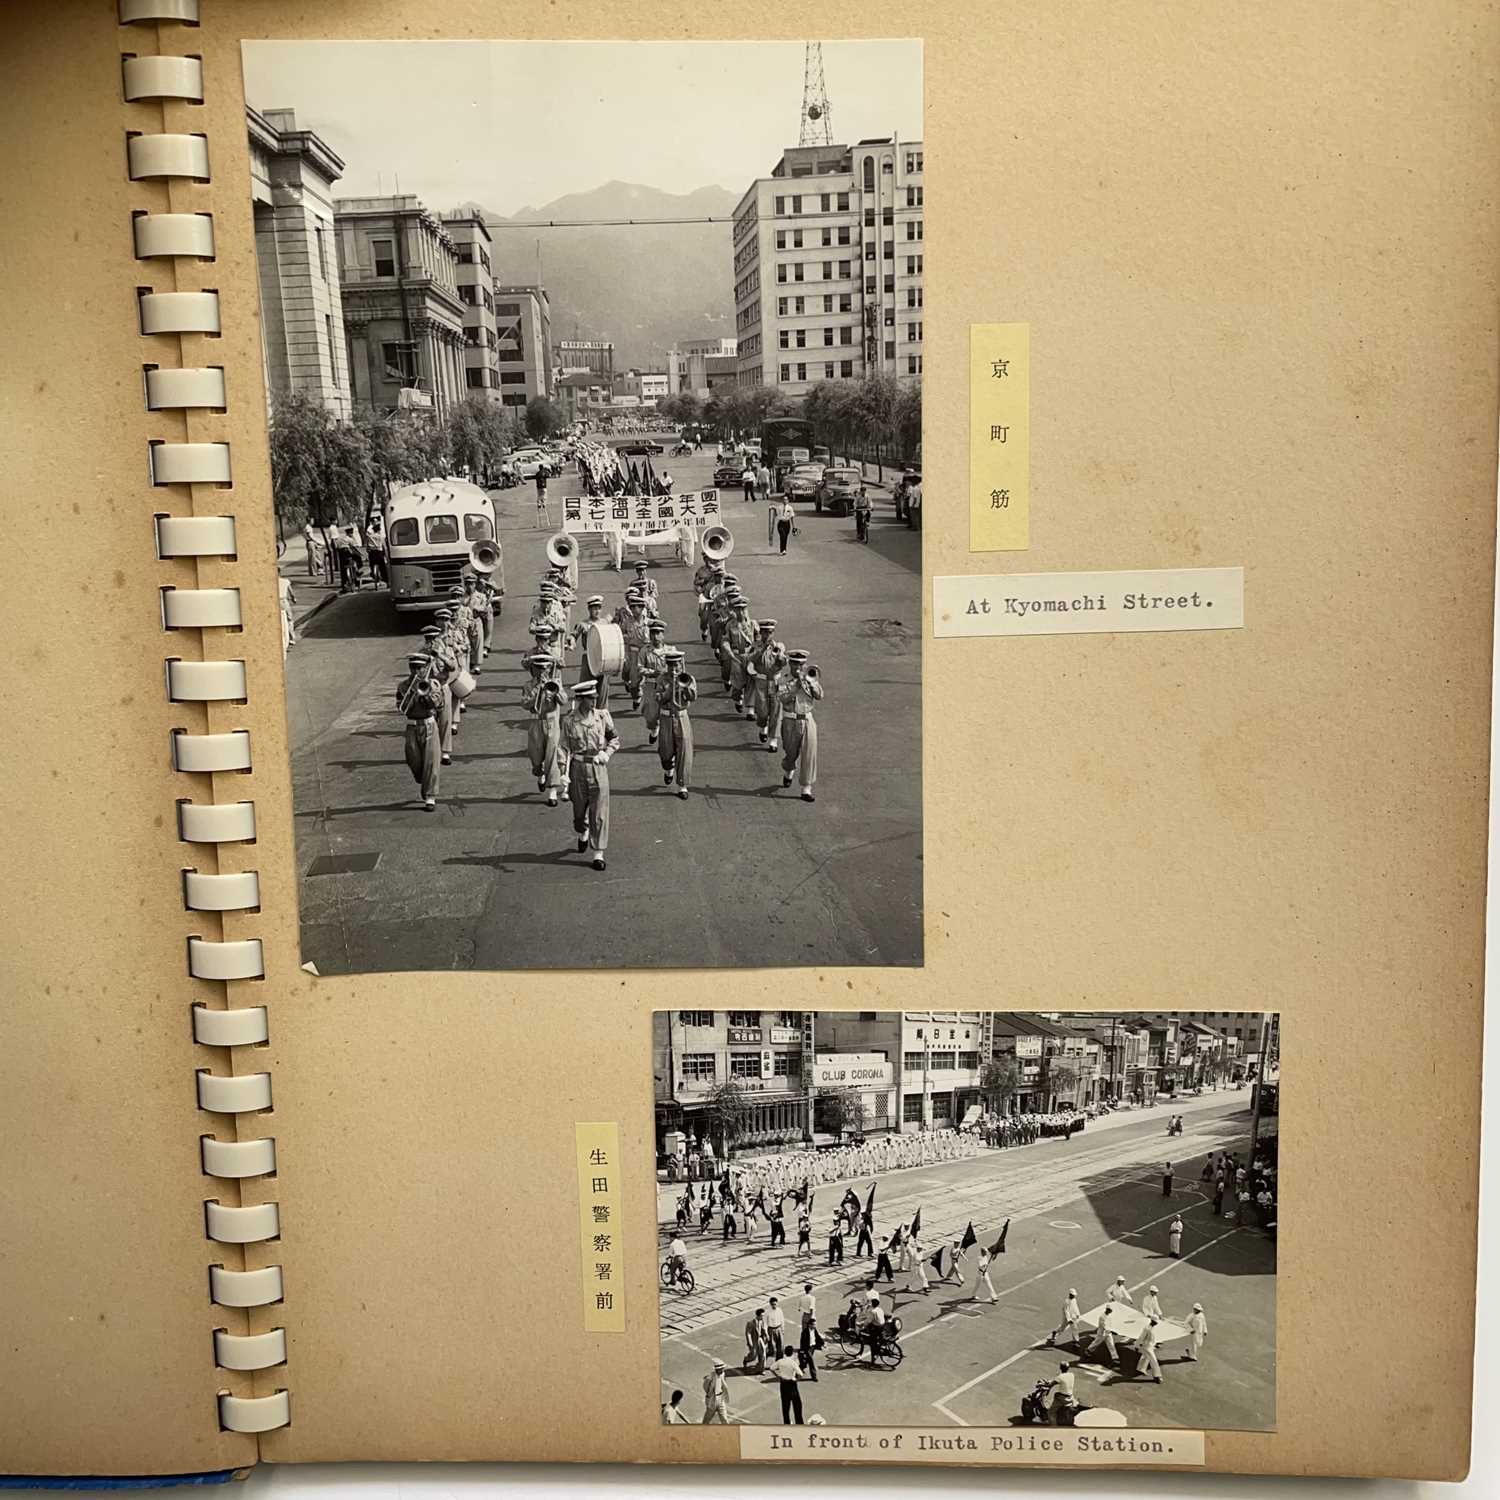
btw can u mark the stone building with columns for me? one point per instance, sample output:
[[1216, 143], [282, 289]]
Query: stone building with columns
[[403, 317]]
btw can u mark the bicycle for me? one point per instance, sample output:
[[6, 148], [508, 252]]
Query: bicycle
[[682, 1281]]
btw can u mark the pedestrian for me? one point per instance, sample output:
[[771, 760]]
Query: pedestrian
[[1219, 1186], [778, 1227], [672, 1413], [757, 1342], [317, 554], [836, 1243], [1104, 1336], [287, 598], [375, 551], [1197, 1331], [883, 1262], [1151, 1304], [1070, 1315], [804, 1235], [1208, 1169], [809, 1340], [788, 1371], [1174, 1236], [1061, 1393], [588, 736], [983, 1278], [785, 518], [865, 1245], [1166, 1181], [1119, 1292], [1146, 1349], [748, 480], [715, 1395], [776, 1325]]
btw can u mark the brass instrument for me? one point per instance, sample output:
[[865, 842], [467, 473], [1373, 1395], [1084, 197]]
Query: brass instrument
[[561, 549], [810, 671], [421, 678], [717, 543], [484, 557]]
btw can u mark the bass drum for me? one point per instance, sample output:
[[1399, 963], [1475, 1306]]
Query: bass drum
[[463, 684], [604, 648]]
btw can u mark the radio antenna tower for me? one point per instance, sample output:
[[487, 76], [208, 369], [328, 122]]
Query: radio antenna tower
[[817, 113]]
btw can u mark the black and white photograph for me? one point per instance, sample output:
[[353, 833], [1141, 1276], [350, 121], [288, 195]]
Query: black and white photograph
[[968, 1218], [595, 418]]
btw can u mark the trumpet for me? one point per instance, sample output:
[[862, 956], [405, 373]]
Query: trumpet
[[421, 682]]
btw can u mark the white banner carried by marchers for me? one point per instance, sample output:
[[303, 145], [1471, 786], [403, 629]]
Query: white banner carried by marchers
[[640, 513]]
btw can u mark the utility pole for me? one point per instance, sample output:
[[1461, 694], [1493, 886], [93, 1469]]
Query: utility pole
[[1114, 1060], [1260, 1082]]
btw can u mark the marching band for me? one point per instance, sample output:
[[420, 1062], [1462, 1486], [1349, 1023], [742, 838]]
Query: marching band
[[570, 733]]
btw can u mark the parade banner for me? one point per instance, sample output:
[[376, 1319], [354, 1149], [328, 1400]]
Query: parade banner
[[640, 513]]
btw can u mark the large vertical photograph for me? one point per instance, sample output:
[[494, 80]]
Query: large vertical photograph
[[968, 1218], [594, 377]]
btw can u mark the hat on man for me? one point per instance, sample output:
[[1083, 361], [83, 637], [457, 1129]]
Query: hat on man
[[656, 627], [767, 626], [672, 654], [430, 631], [443, 616], [416, 659], [457, 591], [796, 656], [544, 627], [640, 567], [585, 689], [595, 599]]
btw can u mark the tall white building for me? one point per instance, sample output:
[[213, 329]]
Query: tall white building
[[828, 254]]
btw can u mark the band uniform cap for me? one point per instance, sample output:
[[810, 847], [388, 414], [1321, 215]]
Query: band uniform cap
[[1197, 1307], [457, 591], [640, 567], [796, 656], [443, 614], [768, 625], [657, 627], [672, 654], [585, 689], [430, 631], [416, 658], [596, 599]]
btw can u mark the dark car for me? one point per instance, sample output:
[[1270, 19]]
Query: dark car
[[730, 473], [641, 449], [840, 488]]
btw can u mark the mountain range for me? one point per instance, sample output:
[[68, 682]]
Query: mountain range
[[643, 287]]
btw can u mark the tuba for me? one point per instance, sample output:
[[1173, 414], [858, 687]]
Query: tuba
[[561, 549], [717, 543], [484, 557]]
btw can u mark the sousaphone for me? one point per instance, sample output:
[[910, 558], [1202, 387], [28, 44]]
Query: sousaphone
[[561, 549], [717, 543]]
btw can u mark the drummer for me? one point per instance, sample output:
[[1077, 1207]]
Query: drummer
[[579, 640]]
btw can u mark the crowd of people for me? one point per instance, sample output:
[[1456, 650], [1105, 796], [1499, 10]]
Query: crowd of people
[[1001, 1131]]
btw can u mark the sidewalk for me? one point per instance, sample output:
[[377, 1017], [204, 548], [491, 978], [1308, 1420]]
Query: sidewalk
[[667, 1193], [314, 593]]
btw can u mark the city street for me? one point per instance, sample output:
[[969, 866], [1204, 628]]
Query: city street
[[1082, 1211], [756, 876]]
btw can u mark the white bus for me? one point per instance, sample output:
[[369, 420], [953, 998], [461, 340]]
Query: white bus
[[429, 529]]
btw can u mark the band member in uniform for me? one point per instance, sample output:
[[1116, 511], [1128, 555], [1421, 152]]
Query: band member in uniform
[[633, 620], [727, 606], [549, 641], [718, 606], [800, 689], [455, 638], [545, 607], [565, 588], [481, 601], [738, 642], [767, 664], [467, 615], [589, 739], [705, 577], [650, 665], [545, 701], [648, 587], [446, 665], [578, 640], [417, 696], [675, 690]]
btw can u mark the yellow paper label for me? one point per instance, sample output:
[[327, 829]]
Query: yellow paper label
[[999, 437], [600, 1228]]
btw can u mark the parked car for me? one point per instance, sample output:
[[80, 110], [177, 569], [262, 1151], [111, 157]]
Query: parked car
[[729, 472], [527, 461], [642, 448], [840, 488], [803, 481]]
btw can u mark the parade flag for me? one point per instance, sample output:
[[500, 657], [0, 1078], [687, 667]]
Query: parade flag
[[691, 1197], [998, 1248], [848, 1194], [809, 1205], [916, 1223], [970, 1238], [936, 1260], [870, 1204], [759, 1206]]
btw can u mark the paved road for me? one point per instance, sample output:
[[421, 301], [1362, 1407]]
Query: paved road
[[1082, 1212], [740, 874]]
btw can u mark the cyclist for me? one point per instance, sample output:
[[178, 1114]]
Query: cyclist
[[871, 1322], [862, 517], [676, 1259]]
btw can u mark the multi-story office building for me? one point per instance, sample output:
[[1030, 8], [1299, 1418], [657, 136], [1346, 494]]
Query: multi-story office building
[[402, 313], [1243, 1028], [687, 363], [292, 173], [523, 324], [475, 276], [828, 255], [585, 354]]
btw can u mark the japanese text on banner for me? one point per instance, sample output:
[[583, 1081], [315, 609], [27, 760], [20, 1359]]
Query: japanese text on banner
[[586, 513], [999, 437], [600, 1228]]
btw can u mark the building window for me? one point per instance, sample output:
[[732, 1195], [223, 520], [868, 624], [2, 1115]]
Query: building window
[[846, 334], [889, 251], [846, 269], [942, 1062], [869, 178], [828, 302], [781, 239], [887, 167], [696, 1017], [780, 205], [914, 333], [797, 271], [744, 1064], [888, 216], [786, 373], [384, 252], [969, 1060], [322, 253], [890, 349], [823, 204], [942, 1106], [796, 203], [333, 359], [781, 273], [744, 1018], [801, 372], [911, 1109], [400, 362], [827, 338], [786, 1064], [912, 1062], [781, 307], [846, 302], [797, 304], [843, 234], [869, 286], [827, 270], [518, 377], [869, 218], [827, 233], [843, 203], [699, 1067], [846, 368], [796, 239], [784, 339], [789, 1018], [869, 249], [890, 283]]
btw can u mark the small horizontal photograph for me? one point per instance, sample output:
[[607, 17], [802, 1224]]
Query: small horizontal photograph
[[968, 1218], [596, 460]]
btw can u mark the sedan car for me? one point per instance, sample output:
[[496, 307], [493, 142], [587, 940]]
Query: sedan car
[[840, 488], [728, 473], [803, 481], [641, 449]]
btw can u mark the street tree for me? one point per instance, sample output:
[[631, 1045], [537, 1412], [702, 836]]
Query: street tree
[[727, 1109], [1062, 1081], [544, 419], [843, 1111], [322, 470], [1000, 1078]]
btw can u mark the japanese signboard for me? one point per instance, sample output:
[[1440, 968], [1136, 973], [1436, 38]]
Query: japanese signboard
[[1028, 1046], [630, 513]]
